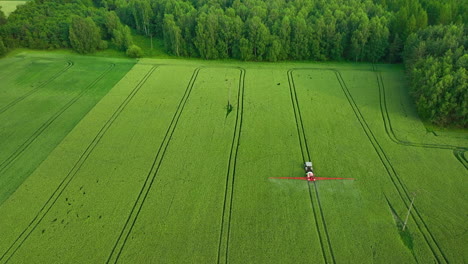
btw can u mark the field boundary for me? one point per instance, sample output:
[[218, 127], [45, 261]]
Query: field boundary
[[4, 165], [225, 231], [391, 133], [27, 94], [6, 256], [151, 176], [320, 223]]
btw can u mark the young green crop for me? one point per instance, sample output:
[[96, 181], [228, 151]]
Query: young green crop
[[157, 170], [42, 100], [272, 220], [184, 208], [428, 171]]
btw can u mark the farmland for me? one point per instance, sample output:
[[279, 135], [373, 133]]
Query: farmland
[[116, 160], [10, 5]]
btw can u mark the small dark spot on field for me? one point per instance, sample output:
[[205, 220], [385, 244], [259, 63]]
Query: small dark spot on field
[[69, 203], [54, 220], [229, 108], [81, 188], [63, 221], [66, 199], [278, 84], [84, 193], [100, 216], [43, 231]]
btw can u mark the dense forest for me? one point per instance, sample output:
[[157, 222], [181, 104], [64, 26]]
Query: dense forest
[[437, 63], [64, 24], [352, 30]]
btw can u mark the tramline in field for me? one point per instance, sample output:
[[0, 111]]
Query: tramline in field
[[123, 128]]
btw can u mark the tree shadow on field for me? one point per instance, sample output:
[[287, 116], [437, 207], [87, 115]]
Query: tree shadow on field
[[405, 235]]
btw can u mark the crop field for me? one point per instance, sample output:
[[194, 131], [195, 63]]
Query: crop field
[[9, 6], [121, 161]]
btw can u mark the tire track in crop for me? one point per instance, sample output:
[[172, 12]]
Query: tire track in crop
[[460, 156], [6, 256], [5, 164], [393, 175], [391, 133], [225, 230], [319, 218], [143, 194], [24, 96], [138, 205]]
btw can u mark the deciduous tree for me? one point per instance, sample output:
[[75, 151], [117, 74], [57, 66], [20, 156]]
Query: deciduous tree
[[85, 36]]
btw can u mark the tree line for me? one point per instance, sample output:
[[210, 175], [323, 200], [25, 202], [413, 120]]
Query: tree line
[[41, 24], [353, 30], [263, 30]]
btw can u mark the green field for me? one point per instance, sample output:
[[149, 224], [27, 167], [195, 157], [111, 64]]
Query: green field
[[113, 160], [9, 6]]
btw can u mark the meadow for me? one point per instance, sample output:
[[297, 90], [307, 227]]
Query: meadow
[[168, 160]]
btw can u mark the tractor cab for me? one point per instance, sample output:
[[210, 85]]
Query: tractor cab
[[308, 167]]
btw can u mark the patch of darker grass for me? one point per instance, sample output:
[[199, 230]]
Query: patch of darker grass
[[405, 235], [407, 238]]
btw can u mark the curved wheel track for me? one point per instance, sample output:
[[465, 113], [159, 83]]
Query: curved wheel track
[[393, 175], [461, 157], [457, 150]]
